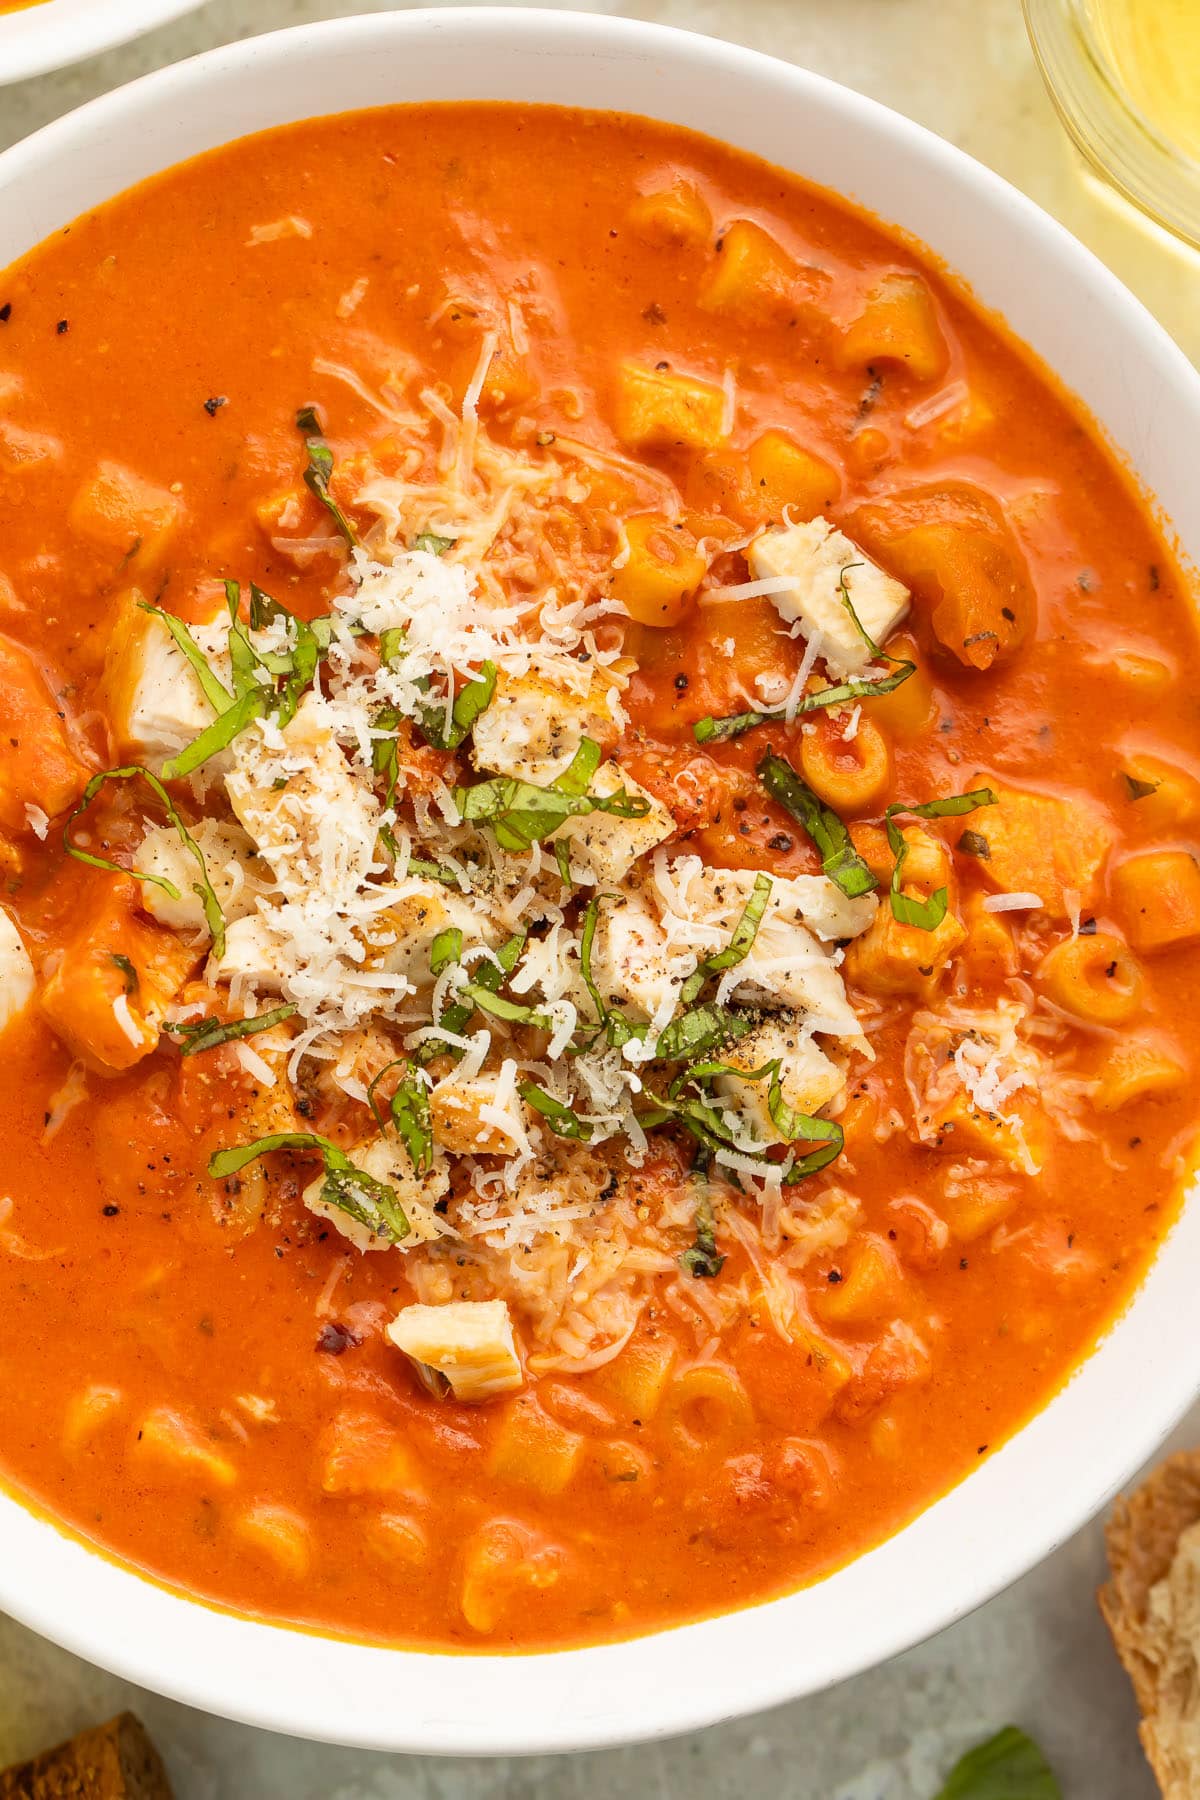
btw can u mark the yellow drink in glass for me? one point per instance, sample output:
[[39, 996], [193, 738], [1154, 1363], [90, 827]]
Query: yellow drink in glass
[[1125, 75]]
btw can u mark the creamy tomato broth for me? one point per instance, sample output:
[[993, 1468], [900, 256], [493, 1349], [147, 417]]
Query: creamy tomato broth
[[600, 910]]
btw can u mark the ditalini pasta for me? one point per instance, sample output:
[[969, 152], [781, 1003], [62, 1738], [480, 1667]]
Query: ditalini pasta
[[598, 955]]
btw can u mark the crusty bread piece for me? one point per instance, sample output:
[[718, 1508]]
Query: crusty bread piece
[[1152, 1607], [116, 1761]]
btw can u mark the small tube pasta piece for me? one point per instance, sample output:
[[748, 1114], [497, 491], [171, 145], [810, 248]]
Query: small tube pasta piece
[[280, 1535], [177, 1445], [1094, 978], [504, 1565], [362, 1453], [130, 519], [636, 1379], [659, 410], [849, 774], [468, 1342], [784, 474], [534, 1450], [1137, 1069], [1158, 894], [674, 215], [708, 1409], [663, 570], [87, 1413], [1160, 794], [397, 1540], [750, 272], [871, 1286], [898, 325]]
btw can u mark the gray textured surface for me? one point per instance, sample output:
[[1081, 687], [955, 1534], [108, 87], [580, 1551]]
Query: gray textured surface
[[1037, 1655]]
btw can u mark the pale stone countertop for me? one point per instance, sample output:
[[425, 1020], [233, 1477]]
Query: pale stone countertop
[[1038, 1655]]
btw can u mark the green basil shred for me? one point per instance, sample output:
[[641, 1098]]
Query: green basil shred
[[214, 918], [351, 1190], [839, 859], [926, 915], [206, 1034], [319, 472]]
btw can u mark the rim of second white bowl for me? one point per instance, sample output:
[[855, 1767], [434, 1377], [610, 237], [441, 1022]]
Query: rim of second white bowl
[[1120, 1404], [55, 34]]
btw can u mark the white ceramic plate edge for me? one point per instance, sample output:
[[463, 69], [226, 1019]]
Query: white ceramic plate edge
[[58, 33], [1124, 1400]]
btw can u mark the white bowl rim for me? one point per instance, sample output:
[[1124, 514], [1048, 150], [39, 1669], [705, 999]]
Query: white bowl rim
[[58, 33], [1119, 1405]]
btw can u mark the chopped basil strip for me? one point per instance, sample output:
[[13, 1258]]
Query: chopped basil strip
[[561, 1120], [702, 1260], [408, 1109], [711, 730], [214, 918], [587, 938], [206, 1034], [562, 857], [470, 701], [926, 915], [132, 981], [739, 945], [446, 949], [839, 859], [511, 1010], [391, 643], [429, 871], [1009, 1766], [218, 736], [521, 814], [215, 692], [702, 1029], [432, 544], [796, 1127], [489, 976], [370, 1203], [319, 472]]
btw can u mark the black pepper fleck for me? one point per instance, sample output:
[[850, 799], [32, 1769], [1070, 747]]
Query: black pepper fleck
[[214, 404]]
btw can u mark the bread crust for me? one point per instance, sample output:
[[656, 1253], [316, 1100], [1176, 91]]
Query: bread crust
[[1144, 1538]]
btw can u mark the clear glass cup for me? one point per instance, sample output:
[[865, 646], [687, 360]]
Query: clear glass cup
[[1125, 77]]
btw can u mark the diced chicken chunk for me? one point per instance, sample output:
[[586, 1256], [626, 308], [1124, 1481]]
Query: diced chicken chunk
[[649, 941], [404, 935], [38, 769], [536, 722], [808, 1078], [469, 1342], [230, 859], [387, 1161], [253, 954], [113, 981], [818, 561], [16, 972], [603, 847], [480, 1115], [632, 962], [154, 700], [295, 794]]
